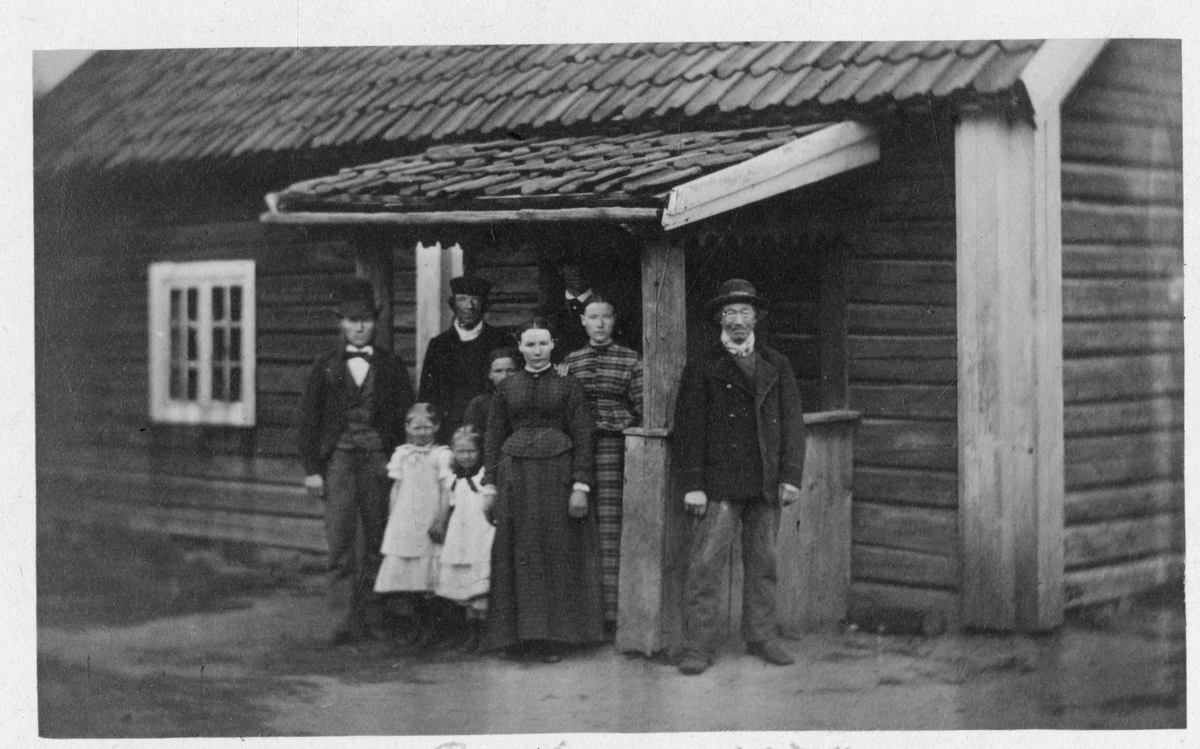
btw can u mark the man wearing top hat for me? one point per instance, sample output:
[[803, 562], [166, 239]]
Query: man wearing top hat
[[351, 419], [739, 437], [456, 362]]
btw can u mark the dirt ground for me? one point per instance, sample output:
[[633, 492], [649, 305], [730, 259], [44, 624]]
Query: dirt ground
[[144, 636]]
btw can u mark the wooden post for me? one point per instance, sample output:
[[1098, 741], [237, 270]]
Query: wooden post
[[1010, 398], [653, 559], [373, 261], [813, 548], [435, 268]]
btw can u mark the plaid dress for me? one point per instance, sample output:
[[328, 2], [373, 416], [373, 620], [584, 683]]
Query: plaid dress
[[611, 376], [545, 565]]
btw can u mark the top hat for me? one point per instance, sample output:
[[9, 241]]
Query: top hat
[[355, 299], [736, 291], [471, 286]]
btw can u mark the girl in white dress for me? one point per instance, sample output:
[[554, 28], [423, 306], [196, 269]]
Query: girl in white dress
[[421, 476], [466, 558]]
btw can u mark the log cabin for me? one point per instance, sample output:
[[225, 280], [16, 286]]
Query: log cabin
[[973, 250]]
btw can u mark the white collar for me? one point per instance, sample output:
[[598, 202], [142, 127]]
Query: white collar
[[465, 334], [581, 298], [531, 370], [745, 348], [368, 349]]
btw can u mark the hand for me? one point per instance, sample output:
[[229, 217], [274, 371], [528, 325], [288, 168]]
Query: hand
[[788, 494], [577, 507], [315, 485], [695, 502], [562, 369], [489, 507]]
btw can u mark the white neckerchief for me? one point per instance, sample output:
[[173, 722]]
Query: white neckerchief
[[471, 334], [744, 348], [359, 366], [531, 370], [581, 298]]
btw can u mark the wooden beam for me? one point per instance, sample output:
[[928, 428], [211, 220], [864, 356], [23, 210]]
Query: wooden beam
[[613, 214], [653, 552], [829, 151], [1010, 404], [1056, 69]]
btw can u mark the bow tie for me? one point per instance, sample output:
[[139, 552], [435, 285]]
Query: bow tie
[[366, 353]]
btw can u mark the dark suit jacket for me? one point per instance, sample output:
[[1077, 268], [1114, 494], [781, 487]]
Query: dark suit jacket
[[322, 411], [720, 412], [455, 372]]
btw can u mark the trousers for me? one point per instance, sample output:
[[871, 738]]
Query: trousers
[[356, 492], [712, 540]]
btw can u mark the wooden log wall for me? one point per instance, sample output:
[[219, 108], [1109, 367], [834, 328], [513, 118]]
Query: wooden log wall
[[98, 444], [1123, 323]]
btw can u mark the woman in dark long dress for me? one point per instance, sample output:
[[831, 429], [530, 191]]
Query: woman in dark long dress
[[546, 585]]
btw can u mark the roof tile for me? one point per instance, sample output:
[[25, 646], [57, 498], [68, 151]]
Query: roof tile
[[141, 106]]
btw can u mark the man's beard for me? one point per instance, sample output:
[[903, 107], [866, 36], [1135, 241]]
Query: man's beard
[[738, 333]]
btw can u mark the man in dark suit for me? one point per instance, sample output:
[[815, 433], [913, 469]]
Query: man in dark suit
[[351, 419], [739, 434], [457, 360]]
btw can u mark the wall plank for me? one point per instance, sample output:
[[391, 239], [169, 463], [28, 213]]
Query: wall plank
[[1114, 417], [1086, 338], [1106, 582], [880, 564], [930, 530], [1122, 298], [907, 444], [1107, 502], [1088, 544], [905, 486]]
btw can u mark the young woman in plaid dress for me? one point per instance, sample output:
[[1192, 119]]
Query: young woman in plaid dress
[[611, 375]]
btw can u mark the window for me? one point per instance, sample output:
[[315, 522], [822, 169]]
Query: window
[[202, 342]]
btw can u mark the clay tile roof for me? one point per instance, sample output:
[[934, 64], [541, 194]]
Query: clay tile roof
[[633, 169], [133, 107]]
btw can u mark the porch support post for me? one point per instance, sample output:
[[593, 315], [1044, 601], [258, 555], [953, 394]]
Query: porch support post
[[435, 268], [653, 558], [1010, 394], [373, 261]]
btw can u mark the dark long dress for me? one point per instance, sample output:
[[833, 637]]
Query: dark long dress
[[546, 582]]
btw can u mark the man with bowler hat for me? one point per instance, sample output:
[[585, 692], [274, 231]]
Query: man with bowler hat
[[456, 362], [739, 435], [351, 419]]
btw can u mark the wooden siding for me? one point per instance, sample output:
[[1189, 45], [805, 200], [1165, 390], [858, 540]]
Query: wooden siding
[[893, 222], [1123, 323], [97, 442]]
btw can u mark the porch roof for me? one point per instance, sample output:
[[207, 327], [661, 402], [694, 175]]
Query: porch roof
[[688, 175]]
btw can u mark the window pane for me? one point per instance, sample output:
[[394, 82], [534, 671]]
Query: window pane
[[218, 303], [193, 353], [235, 344], [176, 304], [218, 383], [235, 384], [193, 298], [176, 387], [218, 345], [176, 343], [193, 383], [235, 303]]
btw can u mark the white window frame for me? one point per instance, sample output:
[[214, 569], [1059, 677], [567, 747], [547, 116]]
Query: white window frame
[[202, 275]]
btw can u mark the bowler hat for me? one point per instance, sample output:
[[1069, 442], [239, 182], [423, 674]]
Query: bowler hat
[[736, 291], [355, 299], [471, 286]]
